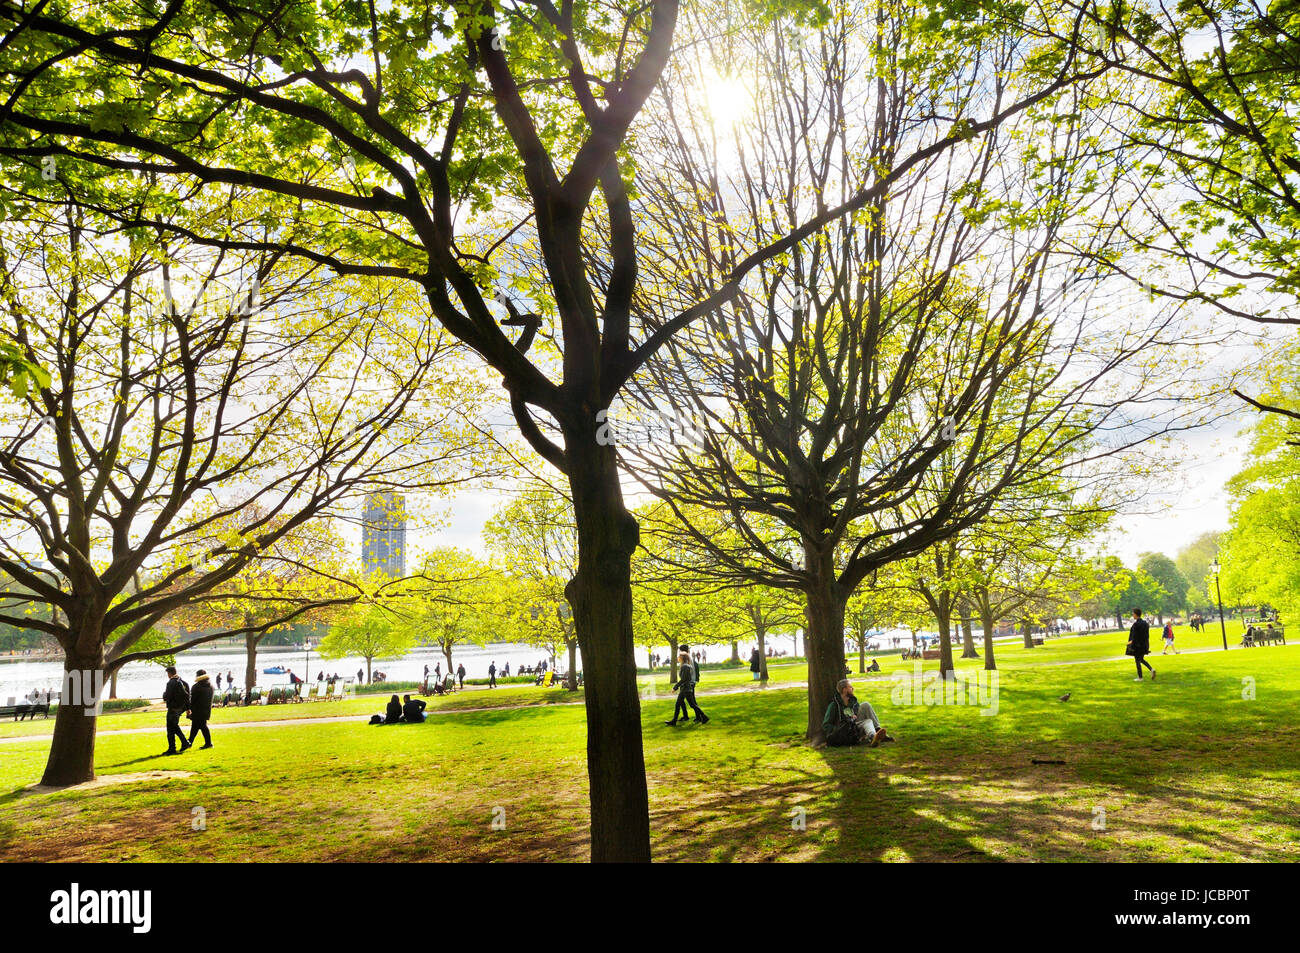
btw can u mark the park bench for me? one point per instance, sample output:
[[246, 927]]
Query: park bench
[[931, 654], [25, 709], [546, 678], [1037, 640], [1257, 635]]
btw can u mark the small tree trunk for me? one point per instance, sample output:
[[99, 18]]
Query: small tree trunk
[[250, 660], [1028, 632], [968, 637], [986, 620], [761, 630], [944, 618], [672, 660], [571, 682], [112, 685], [446, 653], [735, 651], [369, 679]]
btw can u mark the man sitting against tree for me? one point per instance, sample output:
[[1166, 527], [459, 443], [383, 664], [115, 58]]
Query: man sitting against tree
[[850, 722]]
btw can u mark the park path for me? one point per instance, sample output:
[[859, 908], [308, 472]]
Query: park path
[[734, 690]]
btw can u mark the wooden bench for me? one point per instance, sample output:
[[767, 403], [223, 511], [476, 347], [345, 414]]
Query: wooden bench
[[24, 709], [930, 654], [1262, 636], [1037, 639]]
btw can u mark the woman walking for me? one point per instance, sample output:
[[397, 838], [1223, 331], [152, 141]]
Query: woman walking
[[686, 692]]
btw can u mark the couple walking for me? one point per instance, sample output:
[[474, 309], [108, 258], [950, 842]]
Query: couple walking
[[688, 678], [196, 702]]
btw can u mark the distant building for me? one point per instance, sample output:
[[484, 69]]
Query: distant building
[[383, 534]]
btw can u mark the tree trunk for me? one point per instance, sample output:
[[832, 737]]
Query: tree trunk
[[944, 618], [823, 639], [446, 653], [601, 596], [1028, 632], [862, 655], [735, 651], [762, 652], [986, 620], [572, 682], [369, 679], [72, 749], [968, 637], [112, 685], [250, 662]]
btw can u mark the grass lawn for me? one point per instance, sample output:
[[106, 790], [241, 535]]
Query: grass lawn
[[1184, 768]]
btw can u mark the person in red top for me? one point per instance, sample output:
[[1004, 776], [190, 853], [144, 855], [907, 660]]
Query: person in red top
[[1169, 639]]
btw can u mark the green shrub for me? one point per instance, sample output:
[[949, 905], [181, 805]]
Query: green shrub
[[510, 680], [125, 704], [386, 688]]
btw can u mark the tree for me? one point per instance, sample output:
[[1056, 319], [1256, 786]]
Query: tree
[[764, 611], [1217, 145], [451, 602], [176, 443], [536, 538], [370, 631], [1260, 552], [1173, 584], [902, 356], [1194, 560], [405, 164]]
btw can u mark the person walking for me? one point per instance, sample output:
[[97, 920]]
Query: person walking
[[1169, 638], [460, 674], [200, 708], [1139, 644], [361, 676], [685, 686], [492, 674], [176, 696], [755, 663]]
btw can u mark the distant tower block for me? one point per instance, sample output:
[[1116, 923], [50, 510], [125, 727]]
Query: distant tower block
[[383, 534]]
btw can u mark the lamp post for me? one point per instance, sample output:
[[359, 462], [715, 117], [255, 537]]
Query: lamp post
[[306, 671], [1214, 568]]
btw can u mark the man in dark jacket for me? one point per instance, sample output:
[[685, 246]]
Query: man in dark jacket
[[413, 710], [1139, 644], [492, 675], [755, 663], [176, 696], [460, 674], [850, 722], [200, 708]]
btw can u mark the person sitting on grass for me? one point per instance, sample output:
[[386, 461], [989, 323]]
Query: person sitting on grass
[[874, 666], [850, 722], [413, 710], [393, 713]]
